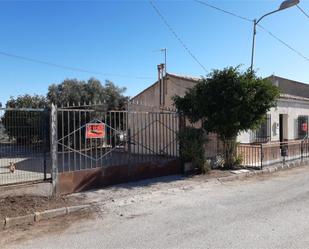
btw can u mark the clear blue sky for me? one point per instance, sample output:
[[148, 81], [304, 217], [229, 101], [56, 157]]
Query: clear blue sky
[[119, 37]]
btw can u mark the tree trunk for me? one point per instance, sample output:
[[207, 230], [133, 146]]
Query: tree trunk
[[229, 152]]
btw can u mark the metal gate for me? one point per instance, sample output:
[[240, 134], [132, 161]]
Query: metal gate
[[24, 145], [128, 137]]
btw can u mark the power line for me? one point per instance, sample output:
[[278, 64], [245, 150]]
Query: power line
[[76, 69], [284, 43], [176, 36], [224, 11], [301, 9], [264, 29]]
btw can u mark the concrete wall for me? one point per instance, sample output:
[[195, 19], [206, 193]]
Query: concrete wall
[[176, 86], [150, 97], [291, 109]]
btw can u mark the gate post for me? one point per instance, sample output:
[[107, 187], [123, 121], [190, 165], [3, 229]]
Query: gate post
[[54, 147], [45, 145]]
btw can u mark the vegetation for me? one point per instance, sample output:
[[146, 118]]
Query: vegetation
[[26, 126], [228, 102], [192, 142], [74, 91]]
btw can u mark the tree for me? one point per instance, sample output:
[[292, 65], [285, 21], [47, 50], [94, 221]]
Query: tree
[[75, 92], [25, 126], [72, 91], [228, 102]]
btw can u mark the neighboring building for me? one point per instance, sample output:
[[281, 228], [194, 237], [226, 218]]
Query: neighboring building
[[287, 121]]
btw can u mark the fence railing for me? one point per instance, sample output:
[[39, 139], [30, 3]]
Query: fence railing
[[251, 155], [259, 155], [24, 145]]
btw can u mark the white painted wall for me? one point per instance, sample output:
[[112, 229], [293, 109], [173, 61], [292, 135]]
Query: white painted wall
[[292, 108]]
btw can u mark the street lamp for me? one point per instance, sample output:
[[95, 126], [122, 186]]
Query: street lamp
[[284, 5]]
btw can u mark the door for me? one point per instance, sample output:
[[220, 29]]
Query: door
[[283, 134], [281, 128]]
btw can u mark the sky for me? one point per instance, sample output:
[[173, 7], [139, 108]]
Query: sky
[[120, 41]]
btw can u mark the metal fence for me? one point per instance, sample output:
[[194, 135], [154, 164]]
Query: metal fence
[[24, 145], [259, 155], [128, 137], [251, 155]]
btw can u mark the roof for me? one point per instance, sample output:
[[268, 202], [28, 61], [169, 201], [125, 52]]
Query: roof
[[290, 87], [184, 77]]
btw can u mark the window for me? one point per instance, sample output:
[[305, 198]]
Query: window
[[302, 127], [263, 134]]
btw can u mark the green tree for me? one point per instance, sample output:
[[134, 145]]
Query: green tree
[[228, 102], [25, 126], [72, 91]]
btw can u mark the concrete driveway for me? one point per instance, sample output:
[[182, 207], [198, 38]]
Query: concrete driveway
[[261, 212]]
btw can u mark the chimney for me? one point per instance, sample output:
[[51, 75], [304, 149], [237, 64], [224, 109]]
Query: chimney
[[161, 80]]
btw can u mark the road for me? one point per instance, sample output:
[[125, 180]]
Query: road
[[261, 212]]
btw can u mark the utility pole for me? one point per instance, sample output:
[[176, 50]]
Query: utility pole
[[284, 5]]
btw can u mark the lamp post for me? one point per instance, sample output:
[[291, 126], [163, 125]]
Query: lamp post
[[284, 5]]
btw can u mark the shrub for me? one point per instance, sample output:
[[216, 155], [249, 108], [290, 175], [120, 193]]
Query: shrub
[[192, 141]]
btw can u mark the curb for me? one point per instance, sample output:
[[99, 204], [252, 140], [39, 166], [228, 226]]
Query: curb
[[39, 216], [268, 170]]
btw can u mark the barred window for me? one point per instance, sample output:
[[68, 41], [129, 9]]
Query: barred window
[[263, 134], [302, 127]]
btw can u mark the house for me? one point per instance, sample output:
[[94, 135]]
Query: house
[[288, 121], [158, 97]]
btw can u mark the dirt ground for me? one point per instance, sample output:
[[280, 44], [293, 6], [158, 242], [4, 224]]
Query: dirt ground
[[13, 206], [57, 225], [23, 205], [117, 199]]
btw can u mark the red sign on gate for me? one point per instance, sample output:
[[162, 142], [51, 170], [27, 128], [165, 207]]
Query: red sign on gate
[[95, 130]]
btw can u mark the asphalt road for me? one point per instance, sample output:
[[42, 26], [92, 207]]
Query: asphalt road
[[261, 212]]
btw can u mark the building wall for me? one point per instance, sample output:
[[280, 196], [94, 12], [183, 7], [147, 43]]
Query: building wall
[[149, 101], [173, 86], [291, 109], [176, 86]]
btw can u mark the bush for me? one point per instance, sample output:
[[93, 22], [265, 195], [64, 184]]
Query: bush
[[192, 141]]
